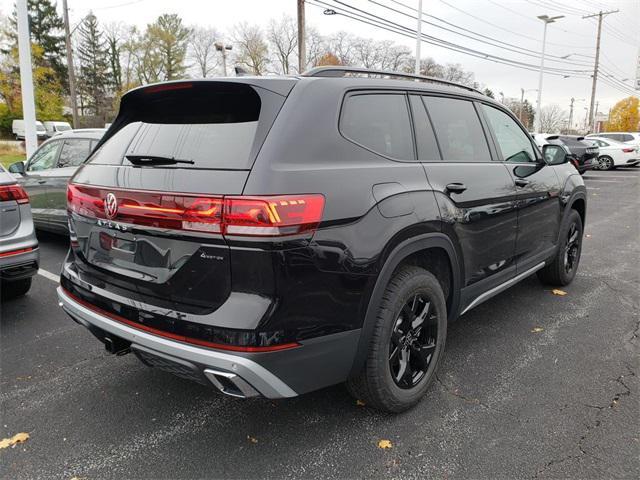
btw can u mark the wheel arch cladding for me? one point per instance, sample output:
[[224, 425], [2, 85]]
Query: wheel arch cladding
[[436, 247], [579, 204]]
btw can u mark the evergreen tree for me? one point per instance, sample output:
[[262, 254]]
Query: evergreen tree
[[47, 30], [169, 37], [94, 80]]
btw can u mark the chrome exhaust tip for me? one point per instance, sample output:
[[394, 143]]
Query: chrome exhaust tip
[[231, 384]]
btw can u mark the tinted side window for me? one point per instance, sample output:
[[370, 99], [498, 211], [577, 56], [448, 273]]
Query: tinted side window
[[73, 153], [425, 138], [627, 138], [45, 158], [379, 122], [458, 129], [512, 141]]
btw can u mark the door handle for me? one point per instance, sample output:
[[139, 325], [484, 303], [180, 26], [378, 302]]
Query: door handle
[[456, 187], [521, 182], [42, 181]]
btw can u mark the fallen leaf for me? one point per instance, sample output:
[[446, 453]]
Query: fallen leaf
[[558, 292], [360, 403], [17, 438], [384, 444], [537, 330], [252, 439]]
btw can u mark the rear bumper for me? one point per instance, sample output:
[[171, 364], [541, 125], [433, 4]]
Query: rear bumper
[[21, 265], [316, 363]]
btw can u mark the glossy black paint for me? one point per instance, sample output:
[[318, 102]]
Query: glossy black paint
[[378, 213]]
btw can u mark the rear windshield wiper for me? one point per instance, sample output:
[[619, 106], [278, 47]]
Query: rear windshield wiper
[[155, 160]]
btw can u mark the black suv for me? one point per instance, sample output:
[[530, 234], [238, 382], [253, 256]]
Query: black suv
[[275, 235], [584, 155]]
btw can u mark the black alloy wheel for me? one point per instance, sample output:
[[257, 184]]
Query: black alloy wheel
[[572, 249], [413, 341]]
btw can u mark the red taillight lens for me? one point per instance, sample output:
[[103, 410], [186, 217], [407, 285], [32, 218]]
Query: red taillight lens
[[232, 215], [628, 150], [272, 216], [13, 192]]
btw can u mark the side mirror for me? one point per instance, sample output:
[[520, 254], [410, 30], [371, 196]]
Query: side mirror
[[17, 167], [554, 155]]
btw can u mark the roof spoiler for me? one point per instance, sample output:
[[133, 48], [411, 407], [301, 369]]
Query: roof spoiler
[[552, 137]]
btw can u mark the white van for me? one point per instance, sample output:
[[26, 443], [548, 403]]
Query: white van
[[56, 127], [17, 127]]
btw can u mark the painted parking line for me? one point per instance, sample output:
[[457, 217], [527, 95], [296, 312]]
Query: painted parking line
[[51, 276], [604, 181]]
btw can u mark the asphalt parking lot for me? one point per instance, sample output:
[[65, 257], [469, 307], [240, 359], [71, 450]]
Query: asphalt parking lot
[[533, 385]]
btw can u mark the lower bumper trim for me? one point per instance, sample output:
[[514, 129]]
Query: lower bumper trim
[[243, 369]]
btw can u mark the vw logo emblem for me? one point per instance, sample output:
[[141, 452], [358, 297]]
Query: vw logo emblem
[[110, 205]]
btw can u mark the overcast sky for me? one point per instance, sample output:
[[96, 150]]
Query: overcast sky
[[510, 21]]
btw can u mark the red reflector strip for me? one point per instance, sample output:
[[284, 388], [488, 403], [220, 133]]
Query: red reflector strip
[[628, 150], [168, 86], [181, 338], [16, 252], [13, 192]]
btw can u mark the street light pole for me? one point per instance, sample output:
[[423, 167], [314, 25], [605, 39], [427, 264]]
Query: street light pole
[[26, 78], [418, 38], [547, 20], [222, 48], [70, 69]]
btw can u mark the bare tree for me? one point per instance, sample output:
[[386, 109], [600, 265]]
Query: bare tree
[[252, 50], [455, 73], [341, 44], [283, 39], [367, 52], [392, 56], [552, 118], [316, 46], [202, 50]]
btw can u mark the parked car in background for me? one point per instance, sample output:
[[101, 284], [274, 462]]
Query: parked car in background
[[19, 255], [214, 237], [18, 129], [624, 137], [615, 154], [45, 175], [56, 127]]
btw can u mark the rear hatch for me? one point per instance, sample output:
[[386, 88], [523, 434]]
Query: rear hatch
[[145, 209]]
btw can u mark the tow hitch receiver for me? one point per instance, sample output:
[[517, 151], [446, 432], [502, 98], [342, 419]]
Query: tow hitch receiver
[[117, 346]]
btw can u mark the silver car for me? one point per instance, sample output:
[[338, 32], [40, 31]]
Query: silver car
[[46, 174], [19, 255]]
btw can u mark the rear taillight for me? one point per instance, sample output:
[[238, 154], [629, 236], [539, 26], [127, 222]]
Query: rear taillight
[[628, 150], [265, 216], [13, 192]]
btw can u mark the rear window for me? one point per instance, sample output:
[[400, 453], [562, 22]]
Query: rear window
[[572, 142], [209, 125]]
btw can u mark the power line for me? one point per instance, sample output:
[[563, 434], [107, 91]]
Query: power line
[[508, 46], [407, 32]]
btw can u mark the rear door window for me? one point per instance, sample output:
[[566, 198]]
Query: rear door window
[[380, 123], [458, 129], [74, 152]]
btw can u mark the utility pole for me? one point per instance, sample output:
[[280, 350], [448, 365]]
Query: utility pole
[[418, 38], [26, 78], [547, 20], [600, 16], [571, 113], [521, 105], [70, 70], [302, 48]]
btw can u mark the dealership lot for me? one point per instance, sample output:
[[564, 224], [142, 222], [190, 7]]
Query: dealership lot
[[533, 385]]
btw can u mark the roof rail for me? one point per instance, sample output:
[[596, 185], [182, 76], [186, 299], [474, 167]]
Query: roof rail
[[339, 71]]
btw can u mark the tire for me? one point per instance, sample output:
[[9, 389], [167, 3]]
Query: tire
[[605, 163], [394, 340], [16, 288], [562, 270]]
